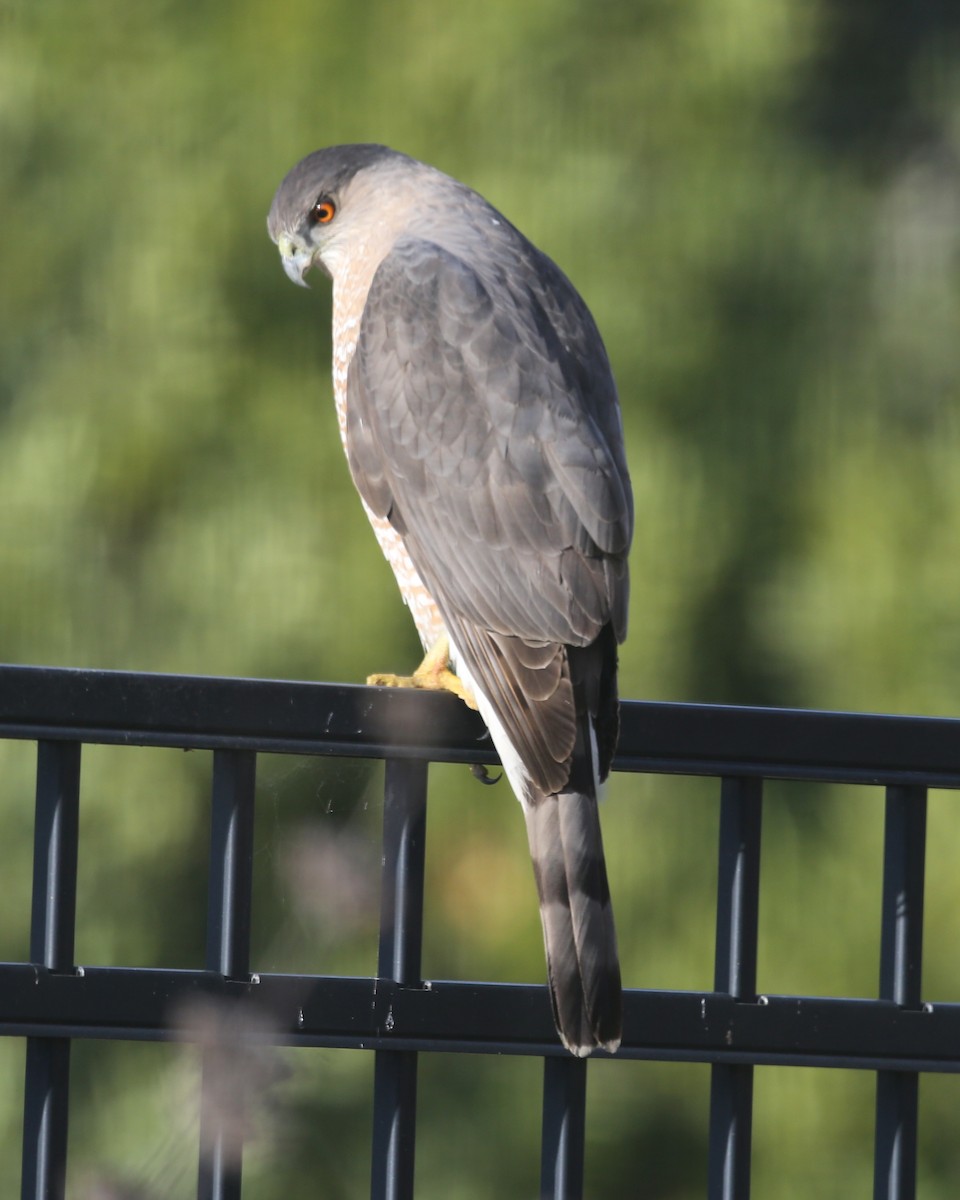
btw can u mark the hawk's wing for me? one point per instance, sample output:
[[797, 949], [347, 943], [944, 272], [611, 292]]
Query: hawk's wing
[[487, 432]]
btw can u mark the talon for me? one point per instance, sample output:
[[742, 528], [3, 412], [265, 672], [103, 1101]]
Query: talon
[[482, 775], [391, 681], [446, 681], [432, 675]]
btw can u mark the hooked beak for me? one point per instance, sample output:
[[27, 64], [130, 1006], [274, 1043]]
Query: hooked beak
[[296, 260]]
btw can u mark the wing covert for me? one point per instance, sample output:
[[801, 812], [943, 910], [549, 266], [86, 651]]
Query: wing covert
[[470, 427]]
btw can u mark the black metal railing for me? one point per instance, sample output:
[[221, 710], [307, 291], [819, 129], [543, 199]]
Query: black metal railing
[[51, 1000]]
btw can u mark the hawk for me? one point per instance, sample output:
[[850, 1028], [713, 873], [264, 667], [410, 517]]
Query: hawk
[[482, 429]]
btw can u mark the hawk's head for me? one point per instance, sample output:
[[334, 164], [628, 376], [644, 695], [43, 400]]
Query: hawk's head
[[333, 198]]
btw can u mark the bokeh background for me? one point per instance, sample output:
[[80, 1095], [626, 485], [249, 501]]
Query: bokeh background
[[760, 200]]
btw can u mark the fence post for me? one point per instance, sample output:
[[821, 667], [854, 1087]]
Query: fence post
[[228, 950], [901, 961], [564, 1120], [401, 938], [735, 974], [53, 924]]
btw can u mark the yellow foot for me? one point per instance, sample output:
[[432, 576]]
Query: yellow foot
[[433, 674]]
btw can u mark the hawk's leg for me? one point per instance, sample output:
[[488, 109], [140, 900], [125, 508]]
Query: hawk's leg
[[433, 674]]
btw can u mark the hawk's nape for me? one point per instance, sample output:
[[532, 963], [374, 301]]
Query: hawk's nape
[[482, 429]]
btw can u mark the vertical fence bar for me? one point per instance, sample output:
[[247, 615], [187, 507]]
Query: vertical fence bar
[[401, 938], [735, 973], [53, 922], [564, 1119], [229, 910], [901, 961]]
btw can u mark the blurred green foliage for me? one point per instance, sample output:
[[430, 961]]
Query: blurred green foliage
[[760, 199]]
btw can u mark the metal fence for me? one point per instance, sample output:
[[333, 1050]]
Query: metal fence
[[50, 1000]]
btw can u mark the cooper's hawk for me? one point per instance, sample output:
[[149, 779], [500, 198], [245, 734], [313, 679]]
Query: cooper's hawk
[[482, 429]]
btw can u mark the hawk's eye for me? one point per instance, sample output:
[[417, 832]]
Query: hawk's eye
[[323, 211]]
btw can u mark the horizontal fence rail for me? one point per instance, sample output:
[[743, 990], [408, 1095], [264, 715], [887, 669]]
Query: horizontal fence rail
[[360, 722], [52, 1000]]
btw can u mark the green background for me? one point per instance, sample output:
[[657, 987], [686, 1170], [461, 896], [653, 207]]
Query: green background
[[760, 201]]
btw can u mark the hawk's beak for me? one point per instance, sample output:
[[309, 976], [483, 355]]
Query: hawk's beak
[[296, 261]]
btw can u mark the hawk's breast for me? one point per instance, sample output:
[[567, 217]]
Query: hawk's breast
[[349, 297]]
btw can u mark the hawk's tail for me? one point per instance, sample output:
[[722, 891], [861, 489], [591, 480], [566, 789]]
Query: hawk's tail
[[578, 932]]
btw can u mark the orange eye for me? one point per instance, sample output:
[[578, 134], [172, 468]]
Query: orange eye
[[323, 211]]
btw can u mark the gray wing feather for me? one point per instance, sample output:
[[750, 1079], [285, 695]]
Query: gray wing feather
[[482, 419], [366, 463]]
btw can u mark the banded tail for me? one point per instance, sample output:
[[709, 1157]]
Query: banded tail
[[578, 931]]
